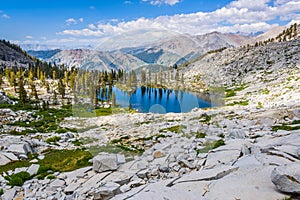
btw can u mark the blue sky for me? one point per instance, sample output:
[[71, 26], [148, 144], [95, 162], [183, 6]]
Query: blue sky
[[91, 21]]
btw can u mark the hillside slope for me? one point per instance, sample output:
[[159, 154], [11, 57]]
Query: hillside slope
[[272, 69], [12, 55]]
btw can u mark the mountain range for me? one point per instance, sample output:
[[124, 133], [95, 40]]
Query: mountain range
[[175, 49], [152, 48]]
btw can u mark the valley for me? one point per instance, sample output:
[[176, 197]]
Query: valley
[[61, 139]]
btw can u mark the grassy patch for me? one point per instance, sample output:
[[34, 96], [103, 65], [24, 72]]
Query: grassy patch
[[13, 165], [17, 107], [48, 121], [66, 160], [259, 105], [211, 145], [110, 148], [199, 135], [231, 92], [18, 179], [77, 143], [265, 91], [86, 111], [51, 176], [288, 126], [285, 127], [174, 129], [53, 139], [81, 130], [240, 103]]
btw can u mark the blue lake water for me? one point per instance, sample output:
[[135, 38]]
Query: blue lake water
[[145, 99]]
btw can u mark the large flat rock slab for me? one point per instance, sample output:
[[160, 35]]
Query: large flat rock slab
[[287, 178], [159, 191], [245, 183]]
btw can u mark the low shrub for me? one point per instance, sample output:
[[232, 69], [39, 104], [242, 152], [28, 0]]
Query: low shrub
[[18, 179], [53, 139]]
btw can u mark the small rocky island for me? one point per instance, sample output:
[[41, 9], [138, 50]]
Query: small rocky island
[[247, 147]]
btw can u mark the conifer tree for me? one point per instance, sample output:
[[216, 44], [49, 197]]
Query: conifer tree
[[61, 88], [22, 91]]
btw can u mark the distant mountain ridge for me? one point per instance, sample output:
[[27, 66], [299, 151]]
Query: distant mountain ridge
[[176, 49], [12, 55]]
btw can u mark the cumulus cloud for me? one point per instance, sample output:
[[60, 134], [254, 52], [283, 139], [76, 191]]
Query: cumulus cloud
[[251, 5], [71, 21], [159, 2], [128, 2], [83, 32], [5, 16], [238, 16], [28, 37]]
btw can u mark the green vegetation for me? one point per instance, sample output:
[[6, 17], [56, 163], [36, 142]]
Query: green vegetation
[[199, 135], [86, 111], [259, 105], [13, 165], [49, 120], [53, 140], [66, 160], [294, 125], [51, 176], [17, 107], [77, 142], [285, 127], [18, 179], [211, 145], [110, 148], [241, 103], [231, 92], [174, 129], [265, 91], [1, 192]]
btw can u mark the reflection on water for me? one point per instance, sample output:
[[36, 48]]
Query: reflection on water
[[156, 100]]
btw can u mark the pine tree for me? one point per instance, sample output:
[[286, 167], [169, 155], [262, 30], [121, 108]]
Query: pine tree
[[22, 91], [30, 76], [143, 77], [34, 92], [1, 80], [61, 88], [160, 76], [72, 80], [54, 75], [113, 99], [48, 88], [12, 80], [54, 98]]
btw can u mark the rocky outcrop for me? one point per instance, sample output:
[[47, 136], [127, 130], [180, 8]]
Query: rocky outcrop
[[5, 99], [107, 162], [287, 178]]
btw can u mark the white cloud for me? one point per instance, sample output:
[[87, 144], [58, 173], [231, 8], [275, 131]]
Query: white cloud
[[160, 2], [83, 32], [128, 2], [92, 7], [5, 16], [251, 5], [239, 16], [92, 26], [28, 37], [71, 21]]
